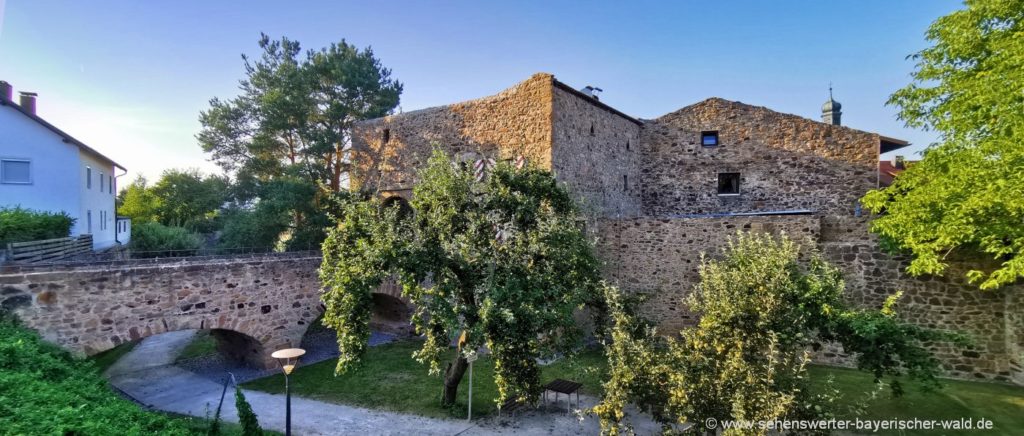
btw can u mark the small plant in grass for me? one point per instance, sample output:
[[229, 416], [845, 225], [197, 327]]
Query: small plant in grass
[[246, 417], [761, 310]]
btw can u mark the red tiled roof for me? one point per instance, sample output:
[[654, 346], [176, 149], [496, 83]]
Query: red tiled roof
[[887, 171]]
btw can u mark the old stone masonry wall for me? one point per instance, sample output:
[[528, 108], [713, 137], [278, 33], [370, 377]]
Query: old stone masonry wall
[[87, 309], [660, 257]]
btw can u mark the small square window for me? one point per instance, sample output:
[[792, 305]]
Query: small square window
[[728, 183], [15, 171], [709, 138]]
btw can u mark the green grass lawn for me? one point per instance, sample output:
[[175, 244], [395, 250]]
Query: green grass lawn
[[389, 379], [203, 344], [107, 358], [1002, 404]]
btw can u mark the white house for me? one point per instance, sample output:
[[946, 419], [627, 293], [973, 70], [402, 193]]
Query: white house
[[44, 168]]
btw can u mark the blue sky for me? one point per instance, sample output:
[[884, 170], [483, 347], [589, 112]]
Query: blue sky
[[130, 77]]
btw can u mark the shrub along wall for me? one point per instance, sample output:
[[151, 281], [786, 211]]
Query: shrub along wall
[[660, 257], [22, 225]]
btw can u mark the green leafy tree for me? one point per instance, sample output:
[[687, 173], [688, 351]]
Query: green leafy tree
[[292, 124], [186, 198], [504, 261], [761, 310], [246, 417], [137, 201], [967, 192]]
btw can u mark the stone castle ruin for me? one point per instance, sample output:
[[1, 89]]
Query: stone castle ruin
[[658, 193]]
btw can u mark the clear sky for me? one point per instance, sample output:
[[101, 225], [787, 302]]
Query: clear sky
[[130, 77]]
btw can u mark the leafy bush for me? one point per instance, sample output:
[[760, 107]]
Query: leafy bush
[[154, 239], [20, 225], [43, 390], [762, 310]]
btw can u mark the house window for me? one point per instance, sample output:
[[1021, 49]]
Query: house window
[[728, 183], [15, 171], [386, 137], [88, 221], [110, 184], [88, 178], [709, 138], [101, 182]]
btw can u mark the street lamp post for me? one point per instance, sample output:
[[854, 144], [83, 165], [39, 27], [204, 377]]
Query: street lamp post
[[289, 359]]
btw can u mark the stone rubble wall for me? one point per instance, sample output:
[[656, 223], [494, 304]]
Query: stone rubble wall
[[660, 258], [990, 318], [515, 122], [602, 169], [785, 162], [89, 310]]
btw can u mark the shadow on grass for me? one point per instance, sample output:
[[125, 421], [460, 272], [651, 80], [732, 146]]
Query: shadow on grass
[[388, 378]]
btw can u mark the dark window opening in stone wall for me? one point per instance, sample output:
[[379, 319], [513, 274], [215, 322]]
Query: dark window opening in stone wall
[[625, 182], [709, 138], [728, 183], [627, 145], [591, 129], [386, 137]]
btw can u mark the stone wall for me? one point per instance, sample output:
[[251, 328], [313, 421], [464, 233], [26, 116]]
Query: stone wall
[[88, 309], [660, 257], [785, 162], [990, 318], [515, 122], [596, 154]]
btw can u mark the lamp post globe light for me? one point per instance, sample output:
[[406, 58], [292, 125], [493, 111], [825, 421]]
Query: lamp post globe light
[[288, 358]]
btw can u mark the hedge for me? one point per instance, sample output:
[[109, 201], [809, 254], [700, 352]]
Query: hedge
[[20, 225]]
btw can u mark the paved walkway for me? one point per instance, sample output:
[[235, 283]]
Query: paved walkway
[[148, 374]]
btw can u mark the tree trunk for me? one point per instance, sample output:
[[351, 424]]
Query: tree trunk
[[452, 377]]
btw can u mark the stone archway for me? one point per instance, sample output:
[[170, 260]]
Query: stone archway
[[404, 209], [391, 315]]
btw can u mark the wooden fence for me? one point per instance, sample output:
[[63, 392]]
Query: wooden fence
[[48, 249]]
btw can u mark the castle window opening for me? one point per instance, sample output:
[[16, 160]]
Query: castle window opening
[[386, 136], [591, 129], [627, 145], [728, 183], [625, 182], [709, 138]]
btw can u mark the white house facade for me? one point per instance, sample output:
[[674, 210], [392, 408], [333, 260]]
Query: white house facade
[[45, 169]]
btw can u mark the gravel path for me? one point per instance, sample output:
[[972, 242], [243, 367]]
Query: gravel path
[[149, 375]]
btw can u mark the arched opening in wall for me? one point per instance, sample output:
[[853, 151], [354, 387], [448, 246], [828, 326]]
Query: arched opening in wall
[[390, 315], [404, 209], [238, 348], [211, 353]]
